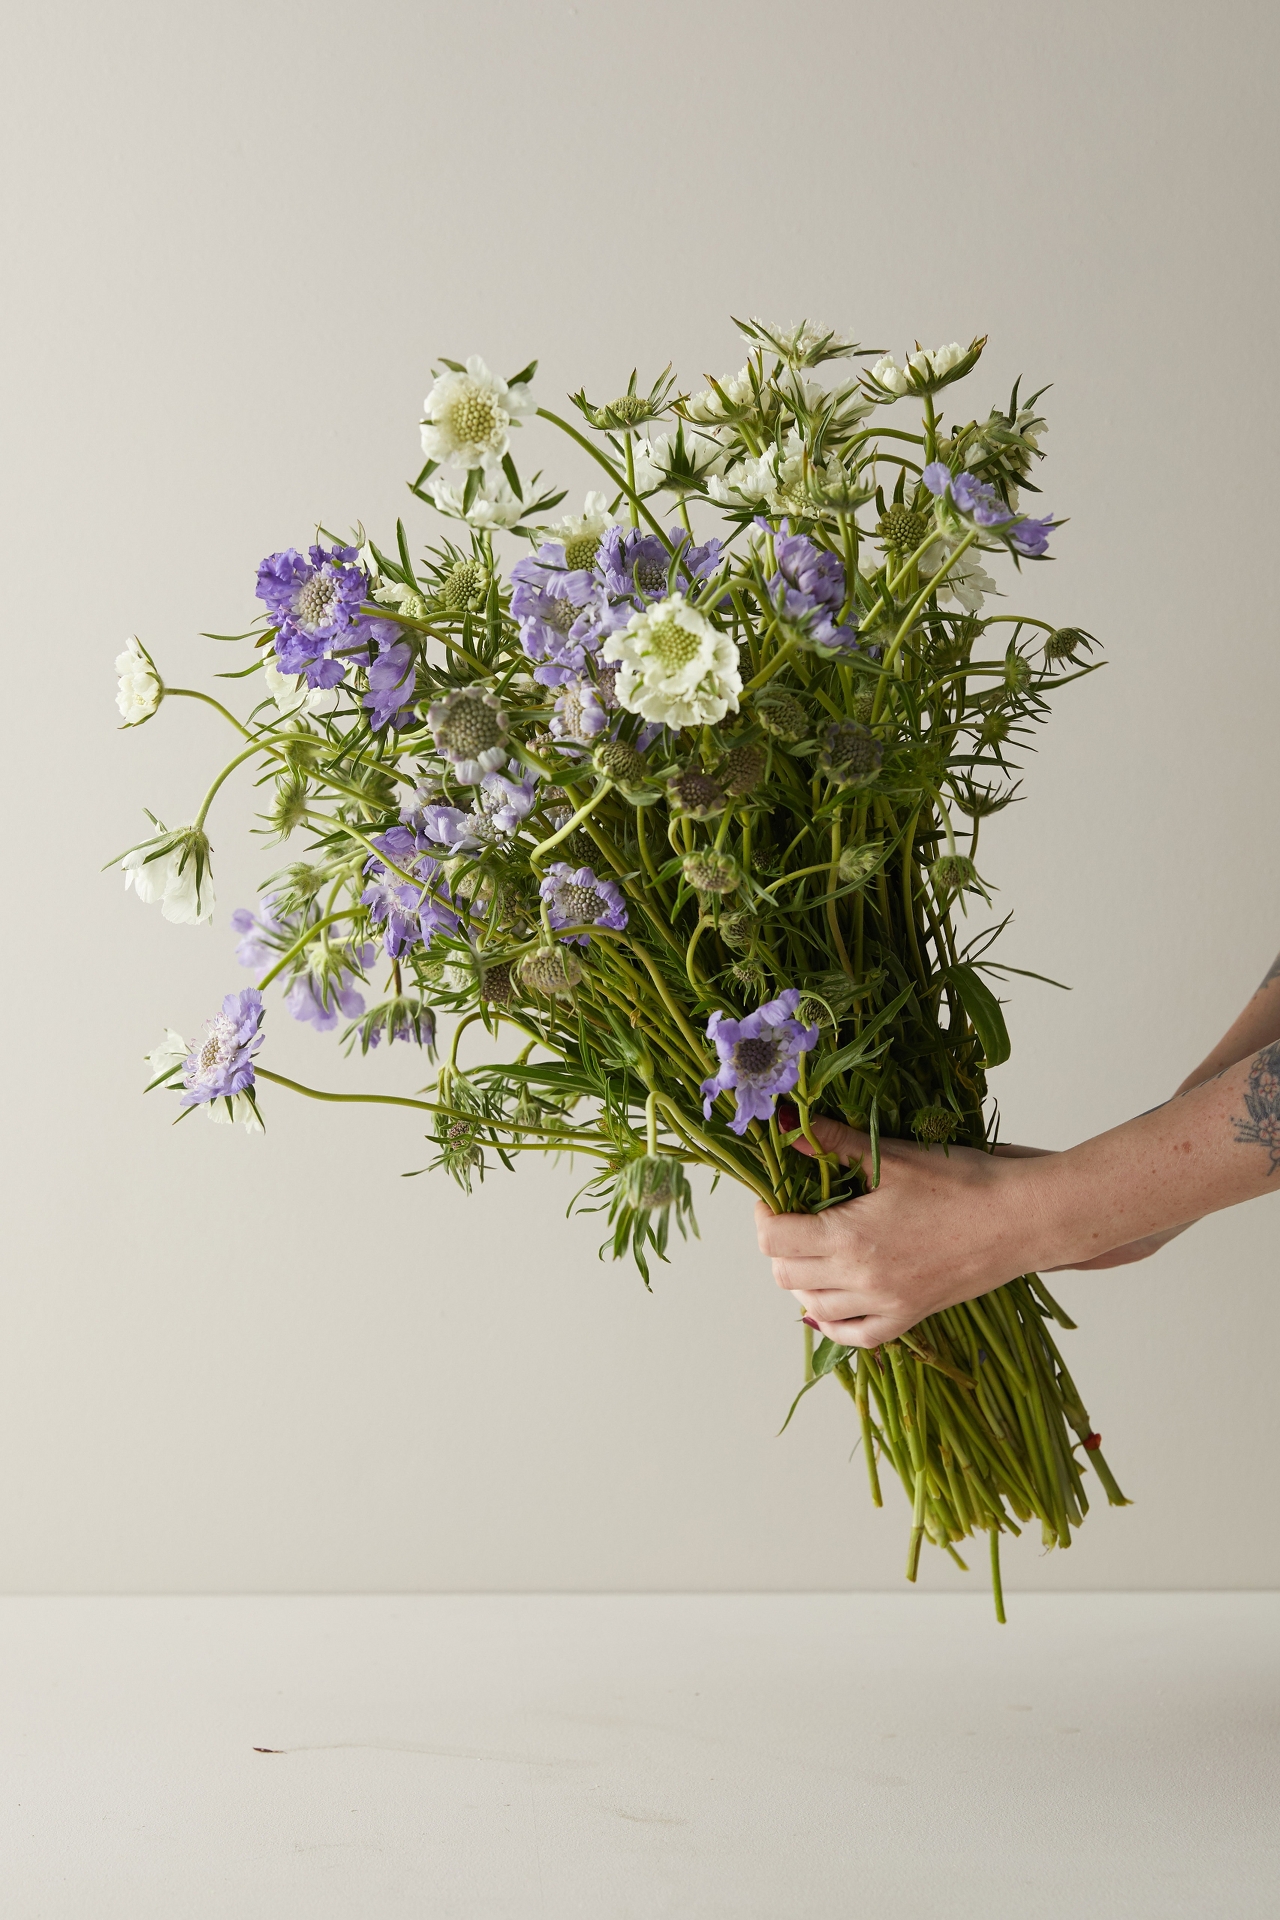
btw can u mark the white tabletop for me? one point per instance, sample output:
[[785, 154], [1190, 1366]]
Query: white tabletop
[[784, 1757]]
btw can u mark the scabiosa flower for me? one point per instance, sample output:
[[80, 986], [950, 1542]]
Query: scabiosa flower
[[263, 935], [1031, 537], [468, 415], [315, 605], [576, 897], [734, 391], [319, 999], [471, 733], [508, 798], [558, 623], [675, 668], [849, 753], [742, 769], [580, 714], [495, 503], [552, 971], [678, 462], [579, 534], [174, 870], [809, 587], [402, 905], [391, 681], [710, 872], [291, 692], [139, 692], [693, 792], [220, 1066], [758, 1058], [635, 566], [626, 766]]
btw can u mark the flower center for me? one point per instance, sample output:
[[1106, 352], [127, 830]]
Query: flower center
[[313, 603], [472, 420], [581, 551], [470, 727], [672, 645], [579, 905], [463, 585], [752, 1058], [650, 575], [216, 1046], [563, 614]]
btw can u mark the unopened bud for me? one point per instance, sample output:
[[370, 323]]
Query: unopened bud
[[781, 714], [710, 872], [553, 971]]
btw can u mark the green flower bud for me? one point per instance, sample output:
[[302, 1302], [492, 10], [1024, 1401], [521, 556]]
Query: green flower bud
[[1066, 642], [463, 588], [289, 809], [710, 872], [621, 764], [781, 714], [859, 863], [498, 984], [738, 930], [849, 754], [652, 1182], [863, 704], [1017, 673], [903, 529], [748, 977], [952, 873], [994, 729]]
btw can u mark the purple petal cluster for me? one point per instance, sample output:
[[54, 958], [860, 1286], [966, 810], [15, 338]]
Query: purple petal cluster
[[320, 999], [981, 503], [263, 935], [759, 1057], [576, 897], [391, 678], [809, 587], [564, 615], [403, 908], [220, 1065], [315, 604]]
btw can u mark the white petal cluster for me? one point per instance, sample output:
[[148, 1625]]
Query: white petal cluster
[[171, 1053], [139, 692], [752, 480], [674, 667], [495, 505], [291, 692], [468, 416], [656, 461], [968, 581], [925, 363], [170, 880], [591, 524], [736, 390], [243, 1112]]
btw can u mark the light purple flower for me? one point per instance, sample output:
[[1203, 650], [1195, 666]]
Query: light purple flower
[[315, 606], [452, 827], [220, 1065], [758, 1057], [551, 603], [809, 587], [508, 798], [263, 935], [580, 713], [983, 505], [1031, 536], [937, 477], [320, 1000], [403, 908], [391, 678], [575, 897]]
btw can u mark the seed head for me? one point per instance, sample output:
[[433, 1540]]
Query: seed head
[[849, 754], [552, 971], [1017, 673], [1066, 642], [621, 763], [650, 1183], [467, 723], [952, 873], [498, 984], [864, 704], [994, 729], [781, 714], [289, 810], [935, 1126], [696, 794], [903, 529], [747, 975], [738, 930], [710, 872], [742, 769]]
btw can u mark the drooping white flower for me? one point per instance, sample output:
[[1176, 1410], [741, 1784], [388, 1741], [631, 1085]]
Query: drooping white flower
[[966, 583], [242, 1110], [290, 690], [468, 416], [171, 1053], [177, 876], [890, 375], [495, 505], [139, 692], [674, 667]]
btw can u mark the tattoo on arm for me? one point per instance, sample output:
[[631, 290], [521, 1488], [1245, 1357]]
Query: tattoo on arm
[[1272, 973], [1262, 1100]]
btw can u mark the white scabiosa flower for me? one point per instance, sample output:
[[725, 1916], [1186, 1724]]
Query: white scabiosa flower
[[139, 692], [735, 391], [751, 481], [677, 462], [674, 667], [468, 416], [968, 582], [171, 1053], [580, 534], [237, 1110], [175, 874], [888, 374], [290, 690], [494, 505]]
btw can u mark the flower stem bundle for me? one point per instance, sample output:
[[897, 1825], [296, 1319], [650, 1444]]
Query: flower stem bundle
[[680, 807]]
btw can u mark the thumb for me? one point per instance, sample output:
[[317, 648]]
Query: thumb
[[832, 1135]]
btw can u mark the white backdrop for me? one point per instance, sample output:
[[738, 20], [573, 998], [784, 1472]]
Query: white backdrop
[[236, 236]]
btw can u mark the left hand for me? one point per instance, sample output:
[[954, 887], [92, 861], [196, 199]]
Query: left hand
[[940, 1227]]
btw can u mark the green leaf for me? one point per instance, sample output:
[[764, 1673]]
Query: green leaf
[[524, 376], [403, 544], [857, 1049], [985, 1016], [454, 366], [513, 478], [475, 479]]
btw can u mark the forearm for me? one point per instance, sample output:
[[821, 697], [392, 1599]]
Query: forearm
[[1205, 1149], [1257, 1026]]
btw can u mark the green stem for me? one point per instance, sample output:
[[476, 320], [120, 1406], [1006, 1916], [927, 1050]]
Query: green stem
[[575, 820], [305, 939], [619, 480]]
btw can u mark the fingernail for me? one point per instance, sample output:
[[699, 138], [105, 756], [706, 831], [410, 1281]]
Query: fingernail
[[810, 1323]]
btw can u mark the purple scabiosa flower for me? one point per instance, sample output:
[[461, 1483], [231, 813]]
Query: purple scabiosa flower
[[456, 830], [1031, 537], [315, 605], [319, 1000], [937, 477], [550, 600], [635, 566], [758, 1057], [391, 679], [470, 730], [403, 907], [981, 502], [220, 1066], [809, 587], [263, 935], [580, 713], [575, 897], [508, 798]]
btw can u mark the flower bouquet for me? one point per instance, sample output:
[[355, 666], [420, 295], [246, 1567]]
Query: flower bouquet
[[679, 817]]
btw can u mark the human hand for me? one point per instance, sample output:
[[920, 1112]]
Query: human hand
[[940, 1227]]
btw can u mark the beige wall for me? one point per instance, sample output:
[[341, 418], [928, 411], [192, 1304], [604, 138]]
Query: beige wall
[[236, 236]]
